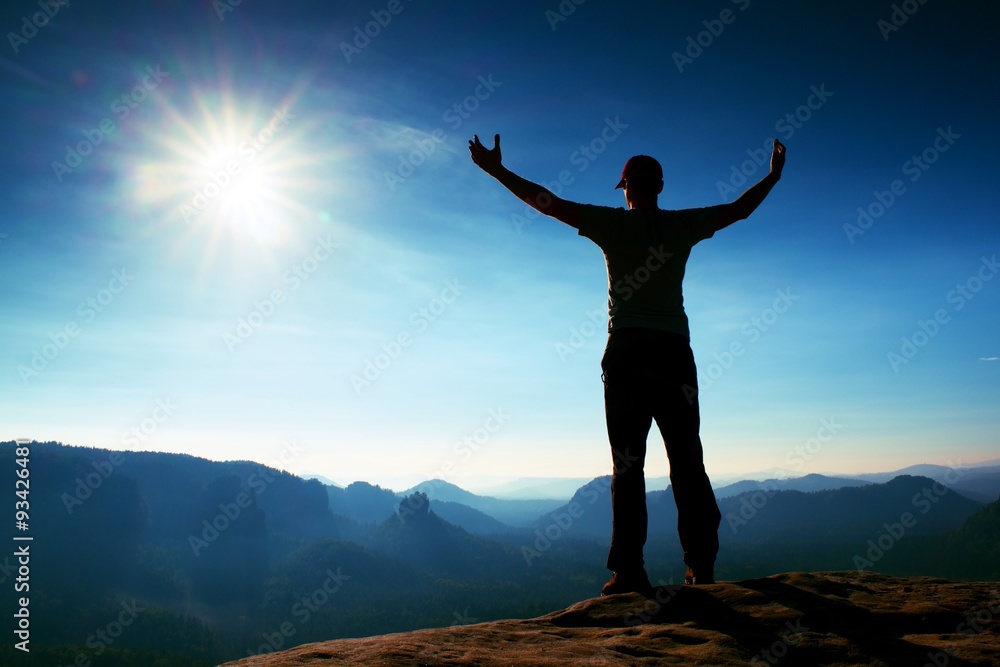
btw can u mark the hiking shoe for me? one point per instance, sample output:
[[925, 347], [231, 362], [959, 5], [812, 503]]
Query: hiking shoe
[[625, 582], [699, 576]]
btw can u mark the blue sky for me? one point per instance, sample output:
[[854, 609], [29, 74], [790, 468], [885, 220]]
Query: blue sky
[[253, 231]]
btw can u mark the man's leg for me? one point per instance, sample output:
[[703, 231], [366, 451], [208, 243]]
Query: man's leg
[[628, 419], [678, 418]]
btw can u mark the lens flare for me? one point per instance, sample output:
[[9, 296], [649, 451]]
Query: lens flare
[[228, 170]]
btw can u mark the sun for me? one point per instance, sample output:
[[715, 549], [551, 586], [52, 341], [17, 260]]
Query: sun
[[238, 183], [227, 167]]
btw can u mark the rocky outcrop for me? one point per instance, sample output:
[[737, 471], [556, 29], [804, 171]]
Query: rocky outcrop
[[832, 618]]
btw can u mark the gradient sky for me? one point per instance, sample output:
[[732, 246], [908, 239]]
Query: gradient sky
[[251, 231]]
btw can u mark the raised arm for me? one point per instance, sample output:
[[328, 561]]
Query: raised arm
[[532, 194], [748, 202]]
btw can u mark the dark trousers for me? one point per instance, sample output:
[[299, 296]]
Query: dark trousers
[[650, 375]]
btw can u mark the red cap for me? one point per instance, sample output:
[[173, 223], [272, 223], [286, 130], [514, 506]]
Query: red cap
[[643, 169]]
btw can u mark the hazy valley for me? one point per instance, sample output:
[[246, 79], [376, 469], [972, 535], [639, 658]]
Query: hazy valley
[[175, 560]]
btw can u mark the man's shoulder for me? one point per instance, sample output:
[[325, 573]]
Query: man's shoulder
[[595, 220]]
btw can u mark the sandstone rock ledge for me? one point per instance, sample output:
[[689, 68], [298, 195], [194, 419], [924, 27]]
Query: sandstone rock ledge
[[830, 618]]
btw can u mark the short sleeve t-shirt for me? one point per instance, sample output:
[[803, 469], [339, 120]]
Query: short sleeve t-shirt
[[646, 253]]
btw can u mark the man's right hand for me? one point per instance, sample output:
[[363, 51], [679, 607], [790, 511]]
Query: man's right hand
[[487, 160], [532, 194]]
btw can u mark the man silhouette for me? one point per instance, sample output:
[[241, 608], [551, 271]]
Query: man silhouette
[[649, 370]]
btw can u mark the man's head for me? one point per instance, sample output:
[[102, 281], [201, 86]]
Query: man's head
[[642, 180]]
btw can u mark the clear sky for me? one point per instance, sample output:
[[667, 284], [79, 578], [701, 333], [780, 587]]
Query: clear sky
[[253, 231]]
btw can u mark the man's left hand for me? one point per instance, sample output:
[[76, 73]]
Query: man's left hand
[[777, 158]]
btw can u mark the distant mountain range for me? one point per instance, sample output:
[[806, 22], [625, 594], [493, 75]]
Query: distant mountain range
[[366, 503], [550, 488], [981, 480], [232, 558], [807, 483]]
